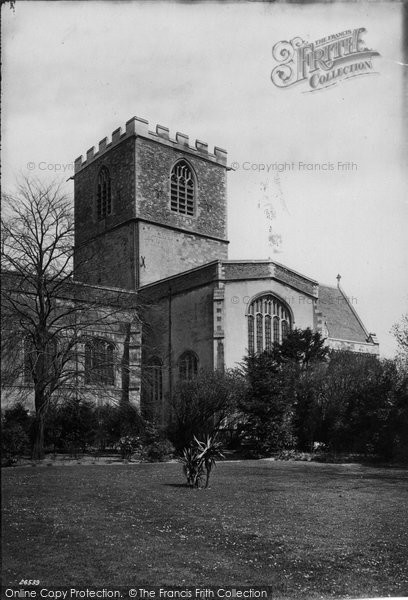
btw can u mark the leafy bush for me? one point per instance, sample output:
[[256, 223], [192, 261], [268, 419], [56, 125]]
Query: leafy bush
[[150, 445], [267, 406], [154, 445], [295, 455], [112, 424], [14, 443], [128, 445], [18, 414], [202, 405], [108, 431], [15, 439], [129, 419], [71, 426], [158, 451]]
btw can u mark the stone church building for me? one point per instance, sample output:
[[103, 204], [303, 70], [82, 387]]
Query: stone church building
[[151, 217]]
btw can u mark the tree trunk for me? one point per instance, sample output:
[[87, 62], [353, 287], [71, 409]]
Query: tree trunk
[[41, 403], [38, 443]]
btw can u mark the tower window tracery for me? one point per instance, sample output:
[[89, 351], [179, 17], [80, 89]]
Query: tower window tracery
[[182, 189]]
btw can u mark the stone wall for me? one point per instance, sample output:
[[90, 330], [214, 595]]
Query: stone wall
[[143, 240], [154, 162], [110, 259], [165, 252], [120, 161], [190, 316]]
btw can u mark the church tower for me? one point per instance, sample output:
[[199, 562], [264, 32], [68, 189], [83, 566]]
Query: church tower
[[148, 207]]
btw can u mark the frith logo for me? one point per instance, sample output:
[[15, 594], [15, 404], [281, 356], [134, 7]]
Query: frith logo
[[324, 62]]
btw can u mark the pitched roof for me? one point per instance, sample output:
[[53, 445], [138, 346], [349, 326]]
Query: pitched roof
[[341, 318]]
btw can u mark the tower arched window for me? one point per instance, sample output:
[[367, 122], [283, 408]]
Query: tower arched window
[[104, 194], [153, 381], [269, 321], [182, 188], [99, 365], [188, 365]]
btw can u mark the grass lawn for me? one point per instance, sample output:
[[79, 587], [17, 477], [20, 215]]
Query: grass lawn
[[309, 530]]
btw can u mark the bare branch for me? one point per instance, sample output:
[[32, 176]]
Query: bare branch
[[47, 317]]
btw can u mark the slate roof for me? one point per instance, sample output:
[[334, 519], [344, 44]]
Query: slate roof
[[340, 315]]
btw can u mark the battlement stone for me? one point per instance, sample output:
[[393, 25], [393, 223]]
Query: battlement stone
[[182, 139], [163, 132], [201, 146], [116, 135], [102, 144], [139, 127]]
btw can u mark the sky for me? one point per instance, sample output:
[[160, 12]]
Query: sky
[[75, 71]]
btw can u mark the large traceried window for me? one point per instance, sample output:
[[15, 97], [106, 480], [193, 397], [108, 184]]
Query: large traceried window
[[99, 362], [104, 196], [188, 365], [182, 188], [269, 321]]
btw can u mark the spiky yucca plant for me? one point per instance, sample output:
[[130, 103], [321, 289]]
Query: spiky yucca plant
[[200, 457], [209, 452], [192, 467]]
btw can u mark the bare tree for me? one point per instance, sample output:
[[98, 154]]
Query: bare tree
[[45, 312], [400, 332]]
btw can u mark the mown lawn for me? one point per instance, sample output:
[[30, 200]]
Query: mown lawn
[[308, 530]]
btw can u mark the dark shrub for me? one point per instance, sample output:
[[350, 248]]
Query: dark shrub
[[15, 439], [154, 444], [14, 443]]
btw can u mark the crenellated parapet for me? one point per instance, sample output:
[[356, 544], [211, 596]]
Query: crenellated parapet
[[137, 126]]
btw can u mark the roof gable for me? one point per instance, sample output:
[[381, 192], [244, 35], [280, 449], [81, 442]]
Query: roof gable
[[341, 318]]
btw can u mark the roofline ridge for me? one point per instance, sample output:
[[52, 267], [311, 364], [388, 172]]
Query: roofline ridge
[[182, 273], [273, 262]]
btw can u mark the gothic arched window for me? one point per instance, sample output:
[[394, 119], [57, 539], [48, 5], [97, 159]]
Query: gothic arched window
[[269, 321], [251, 334], [285, 329], [182, 188], [268, 333], [276, 330], [188, 365], [99, 362], [104, 197], [153, 381], [259, 332]]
